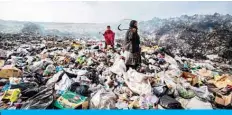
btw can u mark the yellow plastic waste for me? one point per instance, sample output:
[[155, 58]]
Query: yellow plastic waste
[[11, 94], [145, 49], [155, 47], [76, 45], [134, 104]]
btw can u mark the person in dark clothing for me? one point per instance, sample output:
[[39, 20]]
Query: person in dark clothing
[[132, 46]]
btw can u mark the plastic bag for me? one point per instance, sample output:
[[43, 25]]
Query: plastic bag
[[3, 82], [160, 90], [80, 60], [25, 85], [203, 93], [28, 93], [36, 66], [118, 67], [15, 81], [137, 82], [80, 89], [103, 99], [122, 105], [170, 60], [121, 90], [205, 65], [148, 101], [169, 103], [59, 68], [126, 55], [195, 103], [41, 100], [169, 81], [76, 72], [50, 69], [186, 94], [63, 84], [30, 59], [55, 78]]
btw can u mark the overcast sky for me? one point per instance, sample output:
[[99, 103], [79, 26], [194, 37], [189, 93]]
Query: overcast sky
[[98, 12]]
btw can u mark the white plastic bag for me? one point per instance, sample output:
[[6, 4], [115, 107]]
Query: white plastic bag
[[148, 100], [202, 92], [118, 67], [169, 81], [103, 99], [137, 82], [77, 72], [126, 55], [170, 60], [195, 103], [36, 66], [63, 84], [15, 80], [54, 78]]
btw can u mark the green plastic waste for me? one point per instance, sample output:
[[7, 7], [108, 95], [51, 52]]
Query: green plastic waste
[[186, 94], [196, 68], [80, 60]]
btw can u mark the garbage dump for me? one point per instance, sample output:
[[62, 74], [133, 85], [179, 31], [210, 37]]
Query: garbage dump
[[196, 37], [78, 74]]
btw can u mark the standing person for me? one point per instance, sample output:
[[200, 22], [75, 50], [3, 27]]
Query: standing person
[[109, 38], [131, 45]]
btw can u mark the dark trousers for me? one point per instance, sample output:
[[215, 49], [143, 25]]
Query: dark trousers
[[131, 66]]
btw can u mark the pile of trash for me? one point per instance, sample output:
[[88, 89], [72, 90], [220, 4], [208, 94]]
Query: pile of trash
[[83, 75], [195, 37]]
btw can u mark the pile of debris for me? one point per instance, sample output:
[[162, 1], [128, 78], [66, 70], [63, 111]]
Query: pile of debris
[[83, 75], [195, 37]]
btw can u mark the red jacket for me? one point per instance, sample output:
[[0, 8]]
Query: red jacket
[[109, 37]]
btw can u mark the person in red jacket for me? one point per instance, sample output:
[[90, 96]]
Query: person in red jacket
[[109, 38]]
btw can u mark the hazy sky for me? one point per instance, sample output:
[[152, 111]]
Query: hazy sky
[[98, 12]]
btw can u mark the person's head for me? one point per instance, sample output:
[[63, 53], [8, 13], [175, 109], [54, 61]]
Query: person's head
[[108, 27], [133, 24]]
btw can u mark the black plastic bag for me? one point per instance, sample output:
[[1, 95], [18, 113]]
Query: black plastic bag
[[3, 82], [28, 93], [80, 89], [41, 100], [93, 76], [24, 86], [40, 79], [169, 103], [70, 75]]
